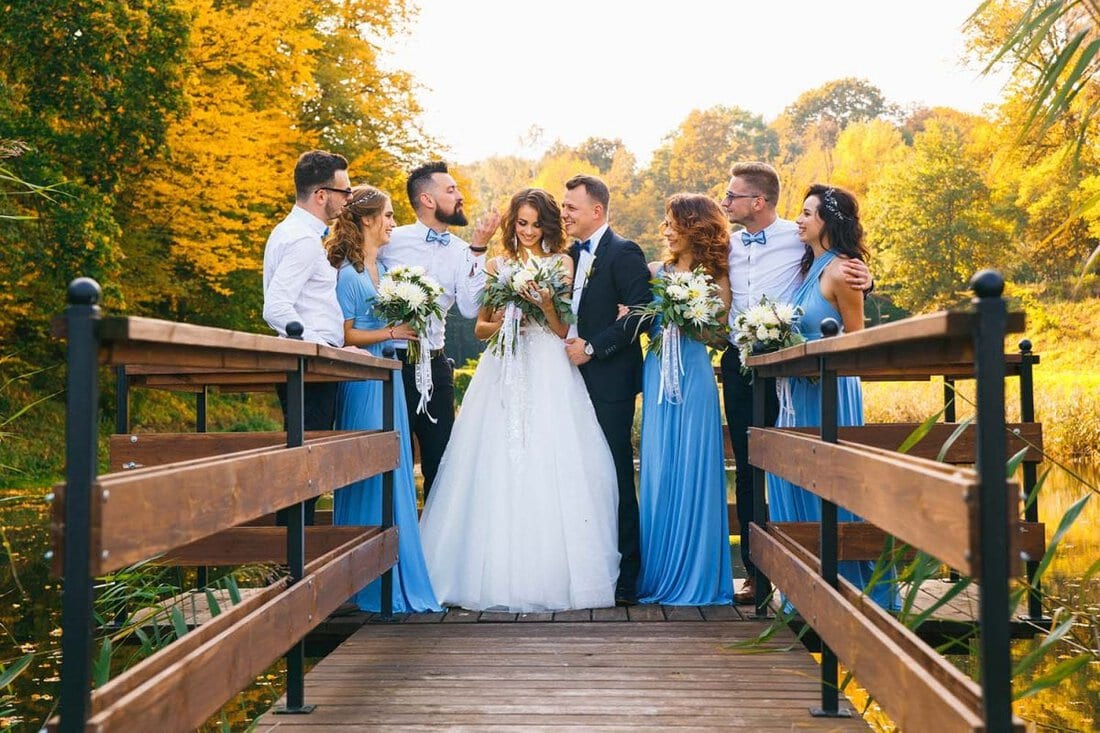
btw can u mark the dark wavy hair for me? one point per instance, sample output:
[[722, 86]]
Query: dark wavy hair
[[839, 209], [345, 240], [701, 222], [549, 219]]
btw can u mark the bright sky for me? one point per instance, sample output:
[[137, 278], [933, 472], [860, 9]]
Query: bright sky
[[491, 69]]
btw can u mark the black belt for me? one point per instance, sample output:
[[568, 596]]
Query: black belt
[[434, 353]]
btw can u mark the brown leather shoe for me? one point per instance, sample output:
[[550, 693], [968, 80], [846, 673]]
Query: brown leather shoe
[[747, 595]]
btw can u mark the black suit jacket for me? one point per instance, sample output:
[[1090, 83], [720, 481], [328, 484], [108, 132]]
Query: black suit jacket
[[619, 274]]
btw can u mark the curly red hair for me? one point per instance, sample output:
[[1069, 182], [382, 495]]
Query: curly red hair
[[699, 220]]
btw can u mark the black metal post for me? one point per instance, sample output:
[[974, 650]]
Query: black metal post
[[949, 399], [759, 501], [387, 492], [1031, 509], [296, 531], [995, 565], [122, 401], [81, 431], [202, 576], [828, 551]]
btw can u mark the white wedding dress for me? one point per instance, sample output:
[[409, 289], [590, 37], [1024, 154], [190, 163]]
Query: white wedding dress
[[522, 516]]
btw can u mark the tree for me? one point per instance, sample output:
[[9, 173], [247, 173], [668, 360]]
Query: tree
[[930, 222], [698, 155]]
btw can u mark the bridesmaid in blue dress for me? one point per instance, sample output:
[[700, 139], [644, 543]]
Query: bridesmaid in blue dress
[[363, 228], [829, 225], [682, 488]]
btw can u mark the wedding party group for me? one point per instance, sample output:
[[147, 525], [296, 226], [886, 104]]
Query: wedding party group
[[530, 497]]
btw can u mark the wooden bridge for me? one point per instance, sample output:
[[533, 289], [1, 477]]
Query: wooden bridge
[[200, 499]]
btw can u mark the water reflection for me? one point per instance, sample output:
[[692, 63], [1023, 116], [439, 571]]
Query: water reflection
[[30, 617]]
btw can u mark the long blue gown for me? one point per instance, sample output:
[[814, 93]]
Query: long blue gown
[[359, 407], [788, 502], [682, 488]]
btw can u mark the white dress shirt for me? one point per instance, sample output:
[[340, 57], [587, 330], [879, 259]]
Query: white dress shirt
[[459, 272], [580, 277], [773, 269], [299, 282]]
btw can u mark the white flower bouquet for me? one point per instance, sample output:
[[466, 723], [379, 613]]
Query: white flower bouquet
[[767, 326], [408, 295], [503, 291], [686, 303]]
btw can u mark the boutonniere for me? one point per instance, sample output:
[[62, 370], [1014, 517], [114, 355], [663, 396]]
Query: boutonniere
[[591, 269]]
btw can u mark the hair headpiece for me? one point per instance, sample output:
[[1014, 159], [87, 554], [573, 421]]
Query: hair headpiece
[[829, 200]]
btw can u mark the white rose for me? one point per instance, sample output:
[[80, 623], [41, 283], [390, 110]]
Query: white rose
[[773, 334], [761, 333], [521, 280]]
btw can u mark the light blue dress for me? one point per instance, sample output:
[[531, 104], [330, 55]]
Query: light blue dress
[[359, 407], [788, 502], [682, 488]]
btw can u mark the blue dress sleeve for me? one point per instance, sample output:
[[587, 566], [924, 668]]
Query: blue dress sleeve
[[350, 293]]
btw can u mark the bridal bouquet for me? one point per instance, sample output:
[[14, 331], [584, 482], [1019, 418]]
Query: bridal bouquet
[[767, 326], [503, 291], [407, 295], [687, 303]]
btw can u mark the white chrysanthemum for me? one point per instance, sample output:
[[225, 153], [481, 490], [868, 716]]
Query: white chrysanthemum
[[773, 334], [677, 292], [786, 312], [417, 270], [698, 312], [761, 333], [387, 289], [411, 294]]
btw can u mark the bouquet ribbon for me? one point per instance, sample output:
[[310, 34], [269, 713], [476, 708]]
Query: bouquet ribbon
[[672, 365], [424, 375], [513, 376]]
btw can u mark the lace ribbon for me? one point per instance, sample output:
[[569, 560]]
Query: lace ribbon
[[514, 393], [786, 398], [424, 375], [672, 365]]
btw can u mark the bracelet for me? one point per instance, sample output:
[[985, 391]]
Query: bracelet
[[479, 250], [391, 333]]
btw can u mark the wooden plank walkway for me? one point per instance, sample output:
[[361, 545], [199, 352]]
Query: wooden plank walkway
[[599, 670]]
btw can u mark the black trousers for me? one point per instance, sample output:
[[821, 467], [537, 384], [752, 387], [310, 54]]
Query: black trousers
[[432, 437], [319, 408], [616, 420], [737, 396]]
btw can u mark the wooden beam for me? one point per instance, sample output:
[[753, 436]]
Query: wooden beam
[[158, 449], [926, 504], [919, 691], [148, 511], [864, 541], [246, 545], [890, 436], [228, 652]]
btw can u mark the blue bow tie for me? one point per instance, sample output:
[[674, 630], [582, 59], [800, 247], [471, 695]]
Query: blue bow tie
[[443, 238], [585, 246], [758, 238]]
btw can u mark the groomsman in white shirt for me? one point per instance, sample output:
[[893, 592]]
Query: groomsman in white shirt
[[459, 267], [765, 259], [299, 282]]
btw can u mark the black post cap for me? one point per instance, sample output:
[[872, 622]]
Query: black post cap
[[84, 291], [1025, 346], [829, 327], [389, 352], [294, 330], [987, 284]]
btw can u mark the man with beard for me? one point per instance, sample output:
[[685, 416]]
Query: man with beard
[[459, 268], [299, 282]]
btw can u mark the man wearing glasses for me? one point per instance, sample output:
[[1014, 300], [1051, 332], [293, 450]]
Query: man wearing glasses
[[765, 260], [299, 282]]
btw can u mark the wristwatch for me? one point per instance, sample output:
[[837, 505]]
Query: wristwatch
[[588, 348]]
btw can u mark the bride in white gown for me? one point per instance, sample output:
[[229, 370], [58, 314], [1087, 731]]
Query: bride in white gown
[[522, 515]]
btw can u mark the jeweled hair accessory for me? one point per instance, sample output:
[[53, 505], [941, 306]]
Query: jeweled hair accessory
[[829, 199], [369, 196]]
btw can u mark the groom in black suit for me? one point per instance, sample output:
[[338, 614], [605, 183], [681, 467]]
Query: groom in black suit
[[609, 271]]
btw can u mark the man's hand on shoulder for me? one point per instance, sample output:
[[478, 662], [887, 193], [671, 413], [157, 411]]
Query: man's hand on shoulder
[[856, 274]]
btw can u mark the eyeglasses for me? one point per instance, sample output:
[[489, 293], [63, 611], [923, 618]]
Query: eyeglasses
[[730, 196], [345, 191]]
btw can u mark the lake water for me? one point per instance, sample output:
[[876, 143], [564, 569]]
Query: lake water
[[30, 616]]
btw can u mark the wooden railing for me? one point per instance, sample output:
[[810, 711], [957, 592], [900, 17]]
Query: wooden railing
[[184, 498], [967, 518]]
